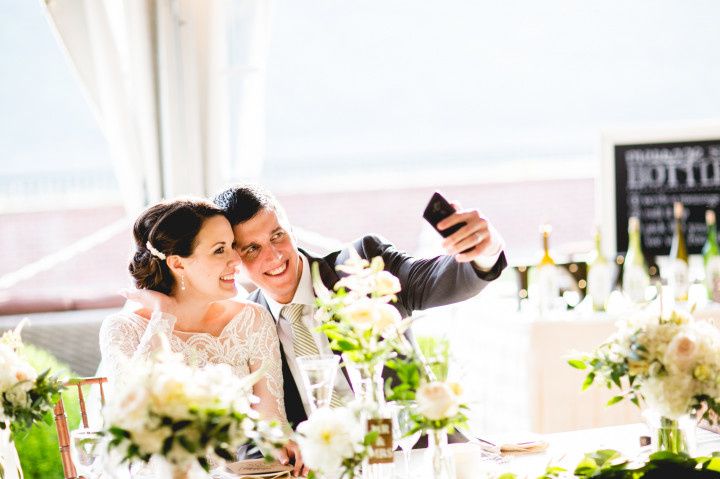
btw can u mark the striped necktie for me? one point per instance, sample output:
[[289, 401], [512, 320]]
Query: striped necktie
[[303, 341]]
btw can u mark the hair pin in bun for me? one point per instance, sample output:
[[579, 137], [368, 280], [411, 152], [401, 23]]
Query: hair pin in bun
[[155, 252]]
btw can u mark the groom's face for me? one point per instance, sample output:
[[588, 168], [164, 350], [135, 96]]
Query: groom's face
[[269, 254]]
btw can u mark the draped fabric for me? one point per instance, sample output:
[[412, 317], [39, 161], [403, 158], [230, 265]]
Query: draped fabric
[[176, 85]]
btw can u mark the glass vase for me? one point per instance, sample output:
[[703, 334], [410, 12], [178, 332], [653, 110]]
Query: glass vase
[[439, 456], [672, 435], [9, 462], [367, 384]]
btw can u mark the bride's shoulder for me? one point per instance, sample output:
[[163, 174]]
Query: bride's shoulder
[[244, 308], [122, 320]]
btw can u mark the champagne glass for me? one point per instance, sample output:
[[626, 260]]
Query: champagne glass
[[403, 423], [318, 375], [86, 451]]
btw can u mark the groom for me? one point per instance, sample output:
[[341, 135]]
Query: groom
[[281, 271]]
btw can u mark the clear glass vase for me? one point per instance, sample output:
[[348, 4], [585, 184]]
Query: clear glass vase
[[672, 435], [439, 456], [9, 461], [367, 383]]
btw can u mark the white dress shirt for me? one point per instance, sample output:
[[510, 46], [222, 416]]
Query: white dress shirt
[[305, 295]]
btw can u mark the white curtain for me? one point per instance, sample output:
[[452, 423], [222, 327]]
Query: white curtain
[[160, 75]]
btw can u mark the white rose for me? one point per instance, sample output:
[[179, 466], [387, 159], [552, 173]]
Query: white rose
[[151, 442], [129, 411], [18, 397], [437, 400], [362, 314], [386, 284], [680, 353], [388, 320], [329, 437]]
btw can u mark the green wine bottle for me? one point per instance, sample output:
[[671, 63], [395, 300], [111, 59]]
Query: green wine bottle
[[599, 276], [711, 258], [635, 276], [679, 278]]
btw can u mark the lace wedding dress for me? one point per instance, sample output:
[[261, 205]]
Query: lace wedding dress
[[247, 343]]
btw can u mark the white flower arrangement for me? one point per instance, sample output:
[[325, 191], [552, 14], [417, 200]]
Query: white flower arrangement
[[185, 415], [672, 364], [357, 317], [332, 441], [439, 406], [26, 395]]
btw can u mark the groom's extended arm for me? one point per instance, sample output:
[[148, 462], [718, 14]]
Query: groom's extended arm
[[432, 282]]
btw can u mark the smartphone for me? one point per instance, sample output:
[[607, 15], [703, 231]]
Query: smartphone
[[438, 209]]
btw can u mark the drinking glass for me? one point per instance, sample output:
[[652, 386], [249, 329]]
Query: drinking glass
[[318, 375], [86, 451], [402, 424]]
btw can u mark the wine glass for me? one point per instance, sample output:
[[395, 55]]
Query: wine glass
[[86, 452], [318, 374], [403, 423]]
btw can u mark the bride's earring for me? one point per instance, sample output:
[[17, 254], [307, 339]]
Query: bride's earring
[[182, 282]]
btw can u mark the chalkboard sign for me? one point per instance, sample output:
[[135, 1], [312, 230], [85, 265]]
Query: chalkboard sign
[[644, 174]]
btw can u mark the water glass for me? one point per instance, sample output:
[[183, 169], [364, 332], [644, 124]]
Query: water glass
[[86, 452], [403, 423], [318, 376]]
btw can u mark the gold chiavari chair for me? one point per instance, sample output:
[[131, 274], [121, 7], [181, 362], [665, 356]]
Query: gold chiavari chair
[[63, 432]]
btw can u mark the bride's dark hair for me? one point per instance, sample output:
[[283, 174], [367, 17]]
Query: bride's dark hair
[[171, 228]]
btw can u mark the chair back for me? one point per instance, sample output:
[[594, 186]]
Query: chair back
[[61, 423]]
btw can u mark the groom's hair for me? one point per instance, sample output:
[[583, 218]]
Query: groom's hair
[[241, 202]]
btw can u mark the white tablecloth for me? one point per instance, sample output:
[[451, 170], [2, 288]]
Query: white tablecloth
[[515, 370], [565, 449]]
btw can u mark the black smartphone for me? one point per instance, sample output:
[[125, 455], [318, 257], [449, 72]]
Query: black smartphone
[[438, 209]]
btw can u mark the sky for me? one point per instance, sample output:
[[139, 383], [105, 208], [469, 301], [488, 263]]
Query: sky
[[373, 82]]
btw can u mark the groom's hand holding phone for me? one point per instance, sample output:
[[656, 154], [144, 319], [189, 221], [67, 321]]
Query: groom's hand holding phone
[[469, 236]]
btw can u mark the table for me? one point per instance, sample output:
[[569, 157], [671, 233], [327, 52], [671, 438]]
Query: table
[[565, 449], [514, 370]]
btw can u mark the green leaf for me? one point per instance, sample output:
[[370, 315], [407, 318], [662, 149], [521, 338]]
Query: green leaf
[[615, 400], [167, 444], [589, 379], [577, 363], [370, 438]]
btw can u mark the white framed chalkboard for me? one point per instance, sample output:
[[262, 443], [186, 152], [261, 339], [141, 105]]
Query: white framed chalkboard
[[645, 170]]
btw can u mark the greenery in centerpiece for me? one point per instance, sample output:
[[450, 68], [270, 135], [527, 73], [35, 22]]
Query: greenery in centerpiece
[[610, 464], [357, 316], [185, 415], [669, 364], [26, 395]]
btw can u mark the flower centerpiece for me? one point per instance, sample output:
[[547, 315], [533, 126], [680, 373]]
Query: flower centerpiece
[[670, 364], [26, 397], [360, 321], [439, 410], [184, 417], [333, 443]]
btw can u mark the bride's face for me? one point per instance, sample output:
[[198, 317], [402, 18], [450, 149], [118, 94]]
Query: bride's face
[[210, 269]]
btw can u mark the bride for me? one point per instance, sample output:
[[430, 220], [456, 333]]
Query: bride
[[184, 249]]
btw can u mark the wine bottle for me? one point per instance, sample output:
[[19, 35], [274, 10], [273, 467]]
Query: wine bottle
[[679, 279], [711, 258], [599, 276], [546, 273], [635, 276]]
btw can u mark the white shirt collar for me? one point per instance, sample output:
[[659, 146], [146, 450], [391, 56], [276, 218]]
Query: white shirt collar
[[303, 295]]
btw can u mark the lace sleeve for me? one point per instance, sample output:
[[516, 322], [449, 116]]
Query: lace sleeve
[[265, 352], [124, 339]]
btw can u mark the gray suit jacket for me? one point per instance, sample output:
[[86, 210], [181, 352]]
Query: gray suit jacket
[[426, 283]]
